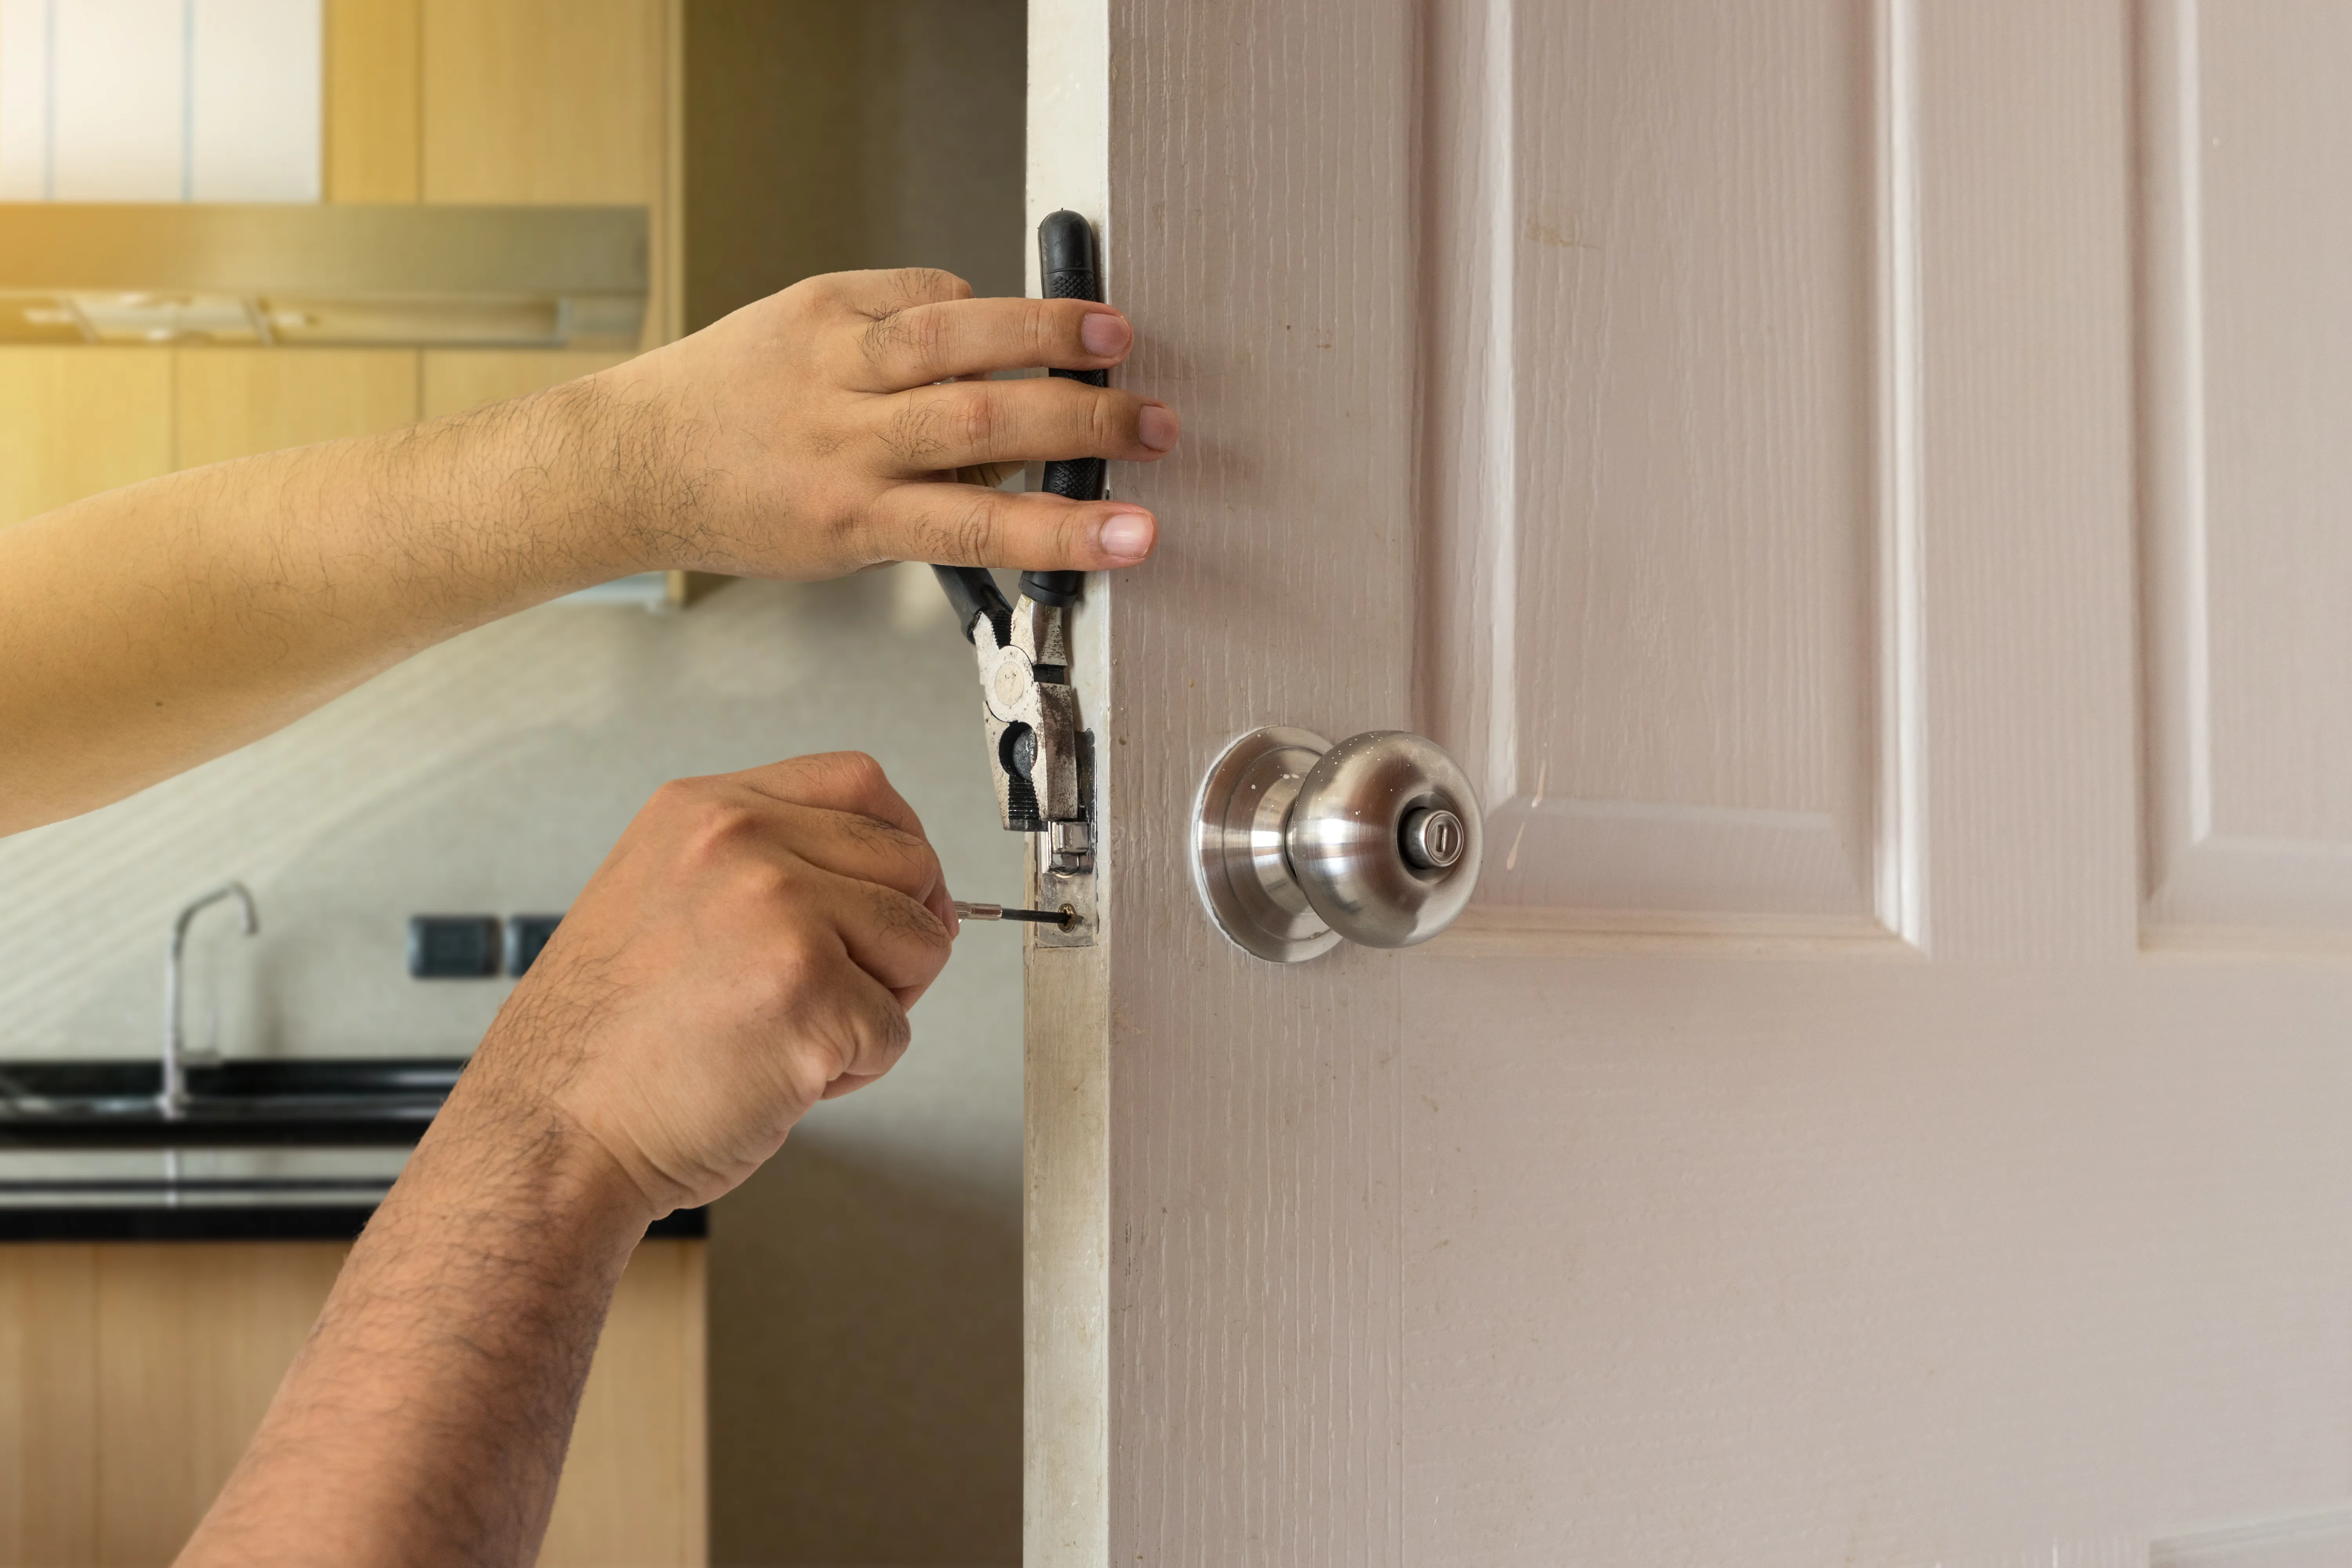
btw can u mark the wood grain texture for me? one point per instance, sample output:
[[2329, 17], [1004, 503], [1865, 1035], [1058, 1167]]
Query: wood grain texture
[[634, 1487], [233, 403], [1259, 165], [1654, 450], [1792, 1263], [48, 1406], [2026, 452], [2019, 1250], [2248, 334], [1067, 1216], [192, 1342], [374, 100], [544, 101], [1755, 1240], [132, 1375], [74, 421], [457, 379], [1065, 1261], [562, 101]]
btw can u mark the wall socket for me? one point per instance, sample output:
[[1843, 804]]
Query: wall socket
[[453, 947], [526, 934], [472, 947]]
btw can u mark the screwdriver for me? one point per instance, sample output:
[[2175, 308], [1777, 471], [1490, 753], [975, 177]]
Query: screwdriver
[[999, 912]]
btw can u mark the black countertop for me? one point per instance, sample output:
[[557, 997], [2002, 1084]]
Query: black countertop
[[88, 1154]]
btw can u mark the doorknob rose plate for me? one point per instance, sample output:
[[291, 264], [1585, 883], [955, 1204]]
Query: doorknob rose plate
[[1240, 862], [1300, 843]]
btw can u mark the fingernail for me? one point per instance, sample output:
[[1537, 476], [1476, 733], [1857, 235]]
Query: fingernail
[[1157, 427], [1105, 334], [1126, 536]]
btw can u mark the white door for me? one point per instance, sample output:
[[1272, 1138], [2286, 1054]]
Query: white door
[[1866, 489]]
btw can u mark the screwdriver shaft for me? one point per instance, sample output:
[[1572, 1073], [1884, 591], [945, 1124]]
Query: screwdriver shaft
[[999, 912]]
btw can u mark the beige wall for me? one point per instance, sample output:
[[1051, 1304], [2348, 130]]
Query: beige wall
[[864, 1288], [823, 135]]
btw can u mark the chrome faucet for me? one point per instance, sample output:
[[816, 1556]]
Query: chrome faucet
[[173, 1098]]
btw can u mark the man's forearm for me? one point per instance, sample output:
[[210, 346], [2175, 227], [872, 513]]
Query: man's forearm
[[147, 629], [426, 1418], [813, 434]]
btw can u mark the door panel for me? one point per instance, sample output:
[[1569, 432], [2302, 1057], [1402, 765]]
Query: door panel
[[1814, 1146], [1660, 446], [1785, 1263], [2248, 324]]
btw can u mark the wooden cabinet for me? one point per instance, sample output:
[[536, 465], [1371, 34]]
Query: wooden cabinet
[[132, 1375]]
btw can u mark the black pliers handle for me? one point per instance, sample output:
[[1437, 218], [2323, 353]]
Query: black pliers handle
[[1028, 708]]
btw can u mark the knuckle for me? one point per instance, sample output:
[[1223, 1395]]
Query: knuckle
[[889, 1031], [927, 283], [1045, 330], [910, 340], [794, 967], [674, 798], [902, 916], [859, 771], [721, 825], [978, 419], [873, 833], [849, 780], [964, 531], [914, 435], [881, 337], [1110, 420]]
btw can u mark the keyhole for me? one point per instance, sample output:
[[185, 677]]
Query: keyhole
[[1432, 838]]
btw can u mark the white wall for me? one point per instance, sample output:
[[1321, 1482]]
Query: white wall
[[487, 775]]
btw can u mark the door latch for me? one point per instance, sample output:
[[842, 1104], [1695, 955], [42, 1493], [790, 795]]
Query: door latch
[[1041, 763]]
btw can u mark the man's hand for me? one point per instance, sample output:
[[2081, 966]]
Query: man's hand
[[821, 430], [146, 629], [750, 947]]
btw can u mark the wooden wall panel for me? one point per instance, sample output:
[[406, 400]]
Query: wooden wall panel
[[1662, 457], [634, 1485], [132, 1375], [74, 421], [192, 1342], [458, 379], [48, 1406], [544, 101], [375, 103], [561, 102], [2248, 537], [236, 401]]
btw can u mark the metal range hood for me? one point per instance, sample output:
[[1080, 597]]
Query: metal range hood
[[326, 275]]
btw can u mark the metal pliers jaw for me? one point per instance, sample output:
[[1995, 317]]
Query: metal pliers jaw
[[1030, 713]]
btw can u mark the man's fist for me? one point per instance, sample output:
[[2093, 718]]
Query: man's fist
[[822, 430], [750, 946]]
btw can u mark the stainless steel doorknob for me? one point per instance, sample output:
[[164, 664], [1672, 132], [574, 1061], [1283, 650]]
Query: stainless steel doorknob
[[1298, 843]]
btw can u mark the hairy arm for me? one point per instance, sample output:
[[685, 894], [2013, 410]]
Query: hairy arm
[[149, 629], [426, 1418], [750, 947]]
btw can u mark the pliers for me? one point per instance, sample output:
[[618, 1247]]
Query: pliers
[[1040, 758]]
